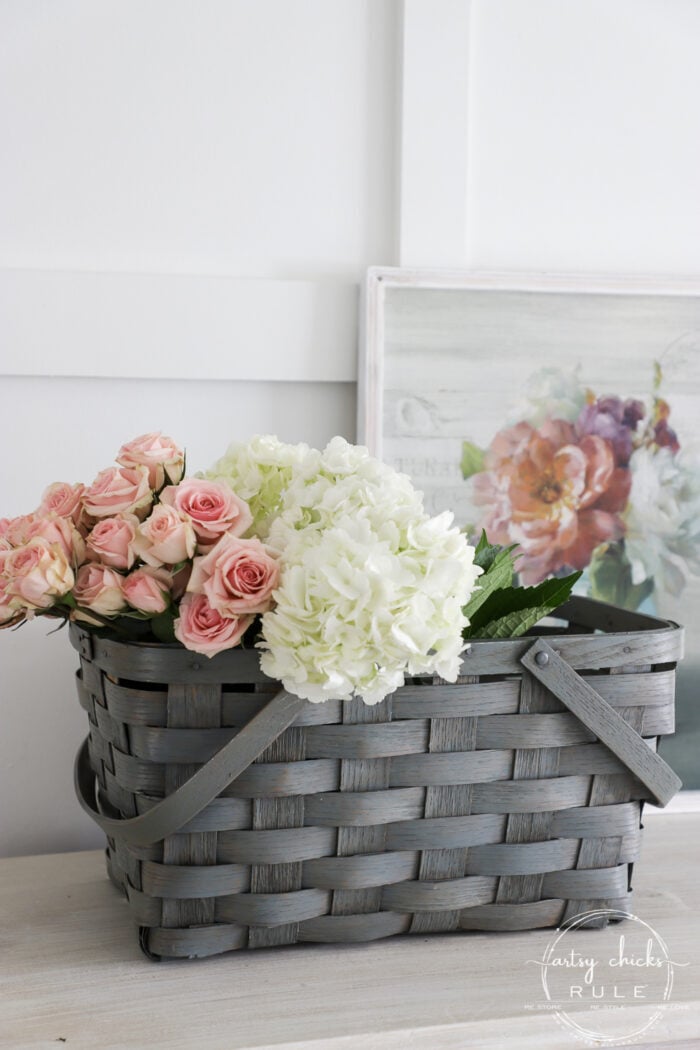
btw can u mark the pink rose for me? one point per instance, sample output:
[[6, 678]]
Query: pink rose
[[204, 630], [165, 538], [99, 588], [62, 531], [160, 455], [237, 576], [9, 615], [148, 590], [112, 541], [119, 490], [37, 573], [16, 530], [11, 610], [62, 499], [212, 507]]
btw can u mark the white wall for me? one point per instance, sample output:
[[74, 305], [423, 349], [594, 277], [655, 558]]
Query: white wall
[[243, 137], [270, 151], [583, 146]]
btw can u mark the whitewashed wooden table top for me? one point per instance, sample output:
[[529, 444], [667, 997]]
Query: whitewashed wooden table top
[[71, 973]]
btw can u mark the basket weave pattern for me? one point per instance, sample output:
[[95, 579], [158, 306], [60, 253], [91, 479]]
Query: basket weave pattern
[[481, 805]]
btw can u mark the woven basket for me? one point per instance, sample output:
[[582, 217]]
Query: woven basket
[[238, 816]]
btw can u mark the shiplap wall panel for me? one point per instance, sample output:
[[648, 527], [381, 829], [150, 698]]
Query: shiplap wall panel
[[582, 144], [434, 132], [177, 326], [242, 137]]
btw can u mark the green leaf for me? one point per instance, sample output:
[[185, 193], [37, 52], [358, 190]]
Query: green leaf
[[482, 544], [485, 553], [512, 611], [658, 377], [498, 575], [163, 626], [472, 459]]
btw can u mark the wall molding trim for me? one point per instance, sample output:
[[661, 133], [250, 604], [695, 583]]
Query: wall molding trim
[[97, 324]]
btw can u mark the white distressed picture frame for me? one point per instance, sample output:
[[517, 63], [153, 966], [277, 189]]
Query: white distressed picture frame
[[380, 280]]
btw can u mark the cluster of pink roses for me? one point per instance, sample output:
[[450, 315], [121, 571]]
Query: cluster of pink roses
[[140, 542]]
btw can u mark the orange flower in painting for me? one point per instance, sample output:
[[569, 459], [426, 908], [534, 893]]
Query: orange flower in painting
[[556, 495]]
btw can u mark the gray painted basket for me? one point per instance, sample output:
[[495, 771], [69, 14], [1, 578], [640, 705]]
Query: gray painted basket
[[238, 816]]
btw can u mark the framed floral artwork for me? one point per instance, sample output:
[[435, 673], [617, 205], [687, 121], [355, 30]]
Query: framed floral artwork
[[561, 413]]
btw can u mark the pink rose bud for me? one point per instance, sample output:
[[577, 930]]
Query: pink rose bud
[[160, 455], [99, 588], [61, 531], [119, 490], [148, 590], [212, 507], [112, 541], [37, 573], [165, 538], [238, 576], [204, 630], [62, 499]]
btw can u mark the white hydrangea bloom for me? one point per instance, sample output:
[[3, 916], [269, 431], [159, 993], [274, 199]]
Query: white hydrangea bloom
[[662, 539], [371, 588], [259, 471]]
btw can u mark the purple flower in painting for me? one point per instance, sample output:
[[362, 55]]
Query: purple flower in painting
[[615, 421]]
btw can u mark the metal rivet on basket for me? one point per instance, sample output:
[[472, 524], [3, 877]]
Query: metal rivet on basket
[[541, 659], [195, 666]]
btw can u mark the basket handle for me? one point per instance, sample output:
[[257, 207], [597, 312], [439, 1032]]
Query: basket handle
[[174, 812], [597, 715]]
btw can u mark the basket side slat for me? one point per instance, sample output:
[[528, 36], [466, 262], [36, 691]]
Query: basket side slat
[[189, 706], [447, 800], [606, 849], [359, 775], [281, 876], [529, 764]]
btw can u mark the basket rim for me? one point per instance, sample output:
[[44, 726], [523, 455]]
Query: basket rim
[[626, 638]]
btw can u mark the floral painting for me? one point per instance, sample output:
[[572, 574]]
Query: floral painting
[[561, 414], [580, 479]]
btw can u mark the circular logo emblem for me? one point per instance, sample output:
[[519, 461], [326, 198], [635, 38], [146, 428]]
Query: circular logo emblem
[[608, 986]]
